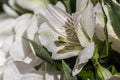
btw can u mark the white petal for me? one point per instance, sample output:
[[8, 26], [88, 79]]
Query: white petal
[[47, 37], [23, 68], [33, 60], [21, 71], [58, 13], [7, 43], [87, 53], [32, 28], [115, 77], [2, 58], [69, 54], [55, 16], [31, 4], [32, 76], [28, 72], [81, 4], [52, 73], [12, 3], [56, 25], [3, 37], [83, 58], [81, 36], [87, 20], [4, 27], [11, 69], [99, 15], [19, 49], [60, 5], [22, 24], [9, 10]]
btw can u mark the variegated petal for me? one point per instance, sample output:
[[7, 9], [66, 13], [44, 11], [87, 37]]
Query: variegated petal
[[83, 58], [87, 20], [81, 36]]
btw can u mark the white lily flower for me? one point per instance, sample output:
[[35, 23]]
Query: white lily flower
[[67, 36], [99, 30], [14, 48], [7, 38]]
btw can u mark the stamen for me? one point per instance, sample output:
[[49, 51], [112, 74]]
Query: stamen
[[69, 47], [60, 38], [59, 43]]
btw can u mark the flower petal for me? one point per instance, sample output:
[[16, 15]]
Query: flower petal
[[60, 5], [52, 73], [5, 29], [19, 49], [21, 71], [22, 24], [81, 4], [7, 43], [87, 20], [115, 77], [58, 13], [32, 76], [65, 54], [11, 69], [9, 10], [2, 58], [56, 17], [32, 28], [31, 4], [12, 3], [48, 37], [33, 60], [81, 36], [83, 58]]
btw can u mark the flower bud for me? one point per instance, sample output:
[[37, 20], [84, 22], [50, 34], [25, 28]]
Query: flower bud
[[103, 73]]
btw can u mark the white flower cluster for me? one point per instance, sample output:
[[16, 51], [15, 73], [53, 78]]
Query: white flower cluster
[[62, 34], [17, 58]]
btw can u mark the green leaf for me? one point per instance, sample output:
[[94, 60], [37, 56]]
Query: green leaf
[[95, 56], [67, 72], [114, 14], [103, 51], [41, 52], [68, 5], [58, 64], [87, 75]]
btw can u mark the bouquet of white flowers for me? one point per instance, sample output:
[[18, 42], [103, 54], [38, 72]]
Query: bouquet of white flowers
[[59, 40]]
